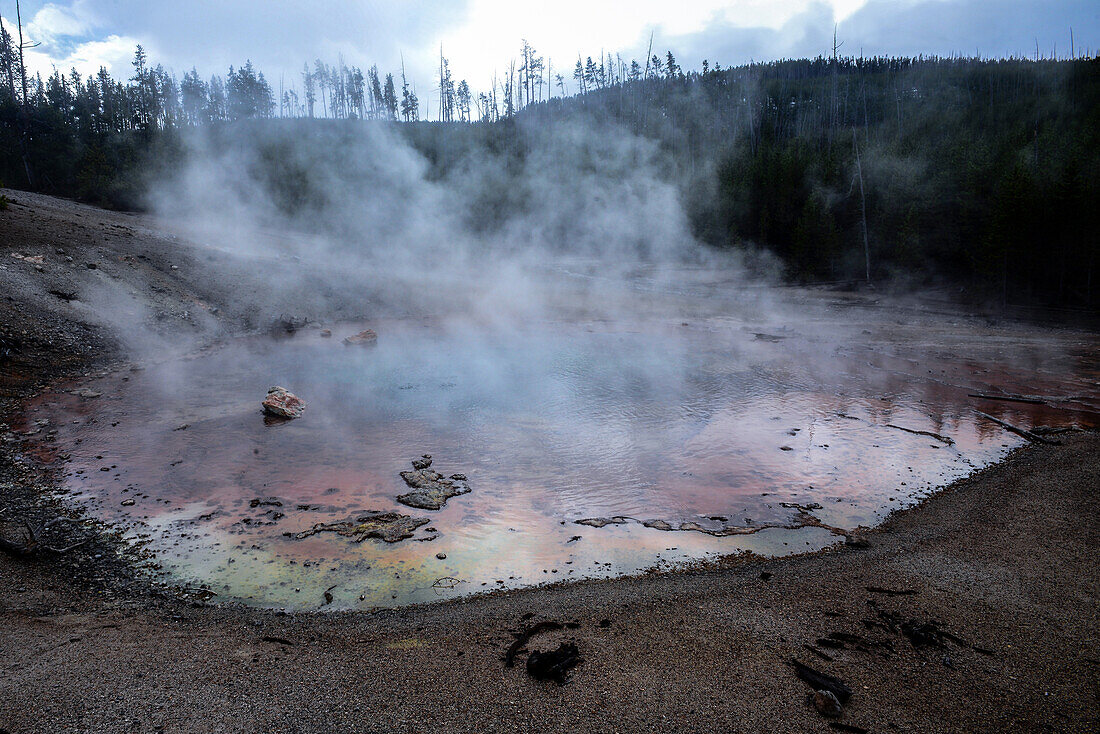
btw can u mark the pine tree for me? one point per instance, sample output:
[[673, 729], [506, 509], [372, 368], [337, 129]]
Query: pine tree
[[463, 97], [8, 61], [193, 97], [672, 69], [377, 97], [410, 105], [591, 74], [141, 89], [310, 88], [389, 97]]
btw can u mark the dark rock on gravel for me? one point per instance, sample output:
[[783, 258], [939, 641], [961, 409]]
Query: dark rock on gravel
[[288, 324], [553, 664], [826, 702]]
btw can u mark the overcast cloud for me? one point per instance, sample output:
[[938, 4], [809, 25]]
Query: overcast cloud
[[481, 37]]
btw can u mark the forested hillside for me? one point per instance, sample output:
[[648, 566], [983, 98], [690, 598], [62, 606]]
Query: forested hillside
[[980, 172]]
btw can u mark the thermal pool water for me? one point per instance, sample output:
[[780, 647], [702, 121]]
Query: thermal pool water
[[683, 411]]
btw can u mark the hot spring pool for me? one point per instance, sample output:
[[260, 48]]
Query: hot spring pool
[[713, 422]]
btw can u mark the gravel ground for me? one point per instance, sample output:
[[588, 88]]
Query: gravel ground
[[1003, 562]]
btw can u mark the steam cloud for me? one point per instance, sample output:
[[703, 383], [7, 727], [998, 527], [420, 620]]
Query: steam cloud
[[485, 230]]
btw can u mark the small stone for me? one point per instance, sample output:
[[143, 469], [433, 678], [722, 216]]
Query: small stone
[[441, 556], [283, 403], [856, 541], [127, 503], [365, 337], [326, 333]]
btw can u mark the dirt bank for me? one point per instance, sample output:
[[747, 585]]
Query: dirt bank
[[1003, 562]]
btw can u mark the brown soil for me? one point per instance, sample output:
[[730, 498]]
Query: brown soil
[[1005, 562]]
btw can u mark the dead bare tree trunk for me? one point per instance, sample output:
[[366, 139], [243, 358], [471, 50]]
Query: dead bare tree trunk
[[24, 133], [645, 77], [30, 546], [863, 210]]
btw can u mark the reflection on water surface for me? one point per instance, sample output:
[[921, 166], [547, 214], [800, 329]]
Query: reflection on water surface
[[683, 414]]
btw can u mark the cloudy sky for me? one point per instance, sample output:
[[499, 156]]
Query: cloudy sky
[[481, 37]]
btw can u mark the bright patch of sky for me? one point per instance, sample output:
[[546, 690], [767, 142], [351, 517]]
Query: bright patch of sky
[[482, 37]]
